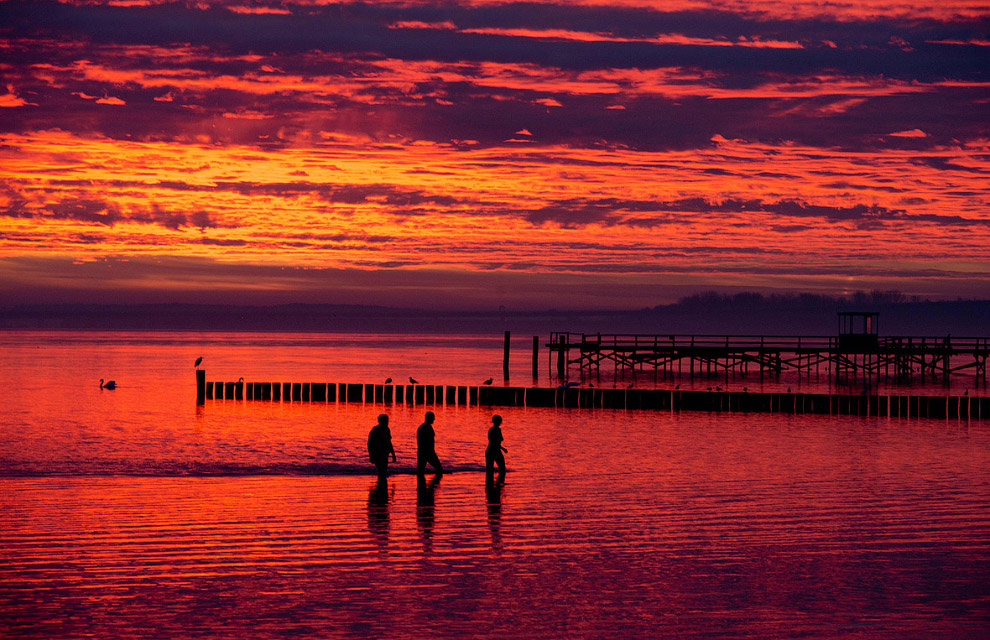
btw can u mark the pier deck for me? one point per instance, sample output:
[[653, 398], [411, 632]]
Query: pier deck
[[850, 356]]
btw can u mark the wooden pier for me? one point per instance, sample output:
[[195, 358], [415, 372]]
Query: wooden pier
[[842, 357], [672, 400]]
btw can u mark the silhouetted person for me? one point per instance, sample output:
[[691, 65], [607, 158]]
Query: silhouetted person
[[378, 503], [426, 508], [493, 454], [380, 446], [426, 446]]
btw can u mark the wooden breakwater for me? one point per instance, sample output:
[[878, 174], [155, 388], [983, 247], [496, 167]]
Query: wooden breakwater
[[673, 400]]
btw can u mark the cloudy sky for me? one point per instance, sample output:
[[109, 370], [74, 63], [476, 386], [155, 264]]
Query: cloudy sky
[[612, 153]]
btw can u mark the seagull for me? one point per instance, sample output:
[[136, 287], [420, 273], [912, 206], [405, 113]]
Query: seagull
[[198, 360], [111, 385], [629, 386], [677, 387], [966, 392], [488, 381], [413, 380], [745, 389], [388, 380], [788, 389]]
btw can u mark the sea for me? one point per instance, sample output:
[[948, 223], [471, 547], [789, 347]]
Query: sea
[[135, 513]]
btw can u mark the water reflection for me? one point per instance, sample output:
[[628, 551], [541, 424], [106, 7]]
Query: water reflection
[[493, 496], [426, 509], [379, 499]]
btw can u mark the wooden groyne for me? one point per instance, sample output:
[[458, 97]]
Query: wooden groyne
[[673, 400]]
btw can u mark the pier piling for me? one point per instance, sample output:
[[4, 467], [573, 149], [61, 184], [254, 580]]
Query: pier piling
[[536, 357], [505, 358]]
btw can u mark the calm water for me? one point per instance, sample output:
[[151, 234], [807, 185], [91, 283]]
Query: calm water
[[130, 513]]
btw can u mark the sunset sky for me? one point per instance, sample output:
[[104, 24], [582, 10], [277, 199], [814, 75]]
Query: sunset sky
[[474, 154]]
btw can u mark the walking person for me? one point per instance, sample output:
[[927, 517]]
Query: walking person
[[380, 446], [493, 454], [426, 447]]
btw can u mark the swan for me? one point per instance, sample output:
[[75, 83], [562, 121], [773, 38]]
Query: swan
[[111, 384]]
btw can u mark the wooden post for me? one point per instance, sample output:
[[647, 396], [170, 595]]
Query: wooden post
[[505, 357], [536, 357], [200, 386]]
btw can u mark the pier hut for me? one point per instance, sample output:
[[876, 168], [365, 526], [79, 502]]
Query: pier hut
[[858, 346]]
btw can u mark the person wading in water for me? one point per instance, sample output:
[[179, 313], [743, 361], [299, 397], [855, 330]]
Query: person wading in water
[[380, 446], [426, 447], [493, 454]]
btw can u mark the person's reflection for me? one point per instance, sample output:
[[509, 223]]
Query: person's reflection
[[493, 494], [378, 502], [425, 508]]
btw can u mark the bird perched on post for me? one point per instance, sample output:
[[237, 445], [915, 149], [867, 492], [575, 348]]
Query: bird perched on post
[[488, 381], [413, 380], [388, 380], [198, 361]]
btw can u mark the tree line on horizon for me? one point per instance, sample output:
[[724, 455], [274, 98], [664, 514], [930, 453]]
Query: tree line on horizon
[[753, 299]]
